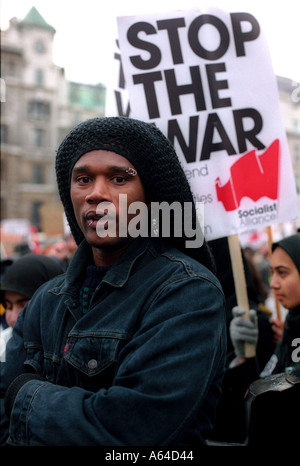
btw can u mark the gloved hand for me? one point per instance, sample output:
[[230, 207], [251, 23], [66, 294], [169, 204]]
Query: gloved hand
[[14, 388], [243, 330]]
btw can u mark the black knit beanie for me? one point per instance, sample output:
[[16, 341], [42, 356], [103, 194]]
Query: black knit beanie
[[291, 245], [28, 273], [149, 151]]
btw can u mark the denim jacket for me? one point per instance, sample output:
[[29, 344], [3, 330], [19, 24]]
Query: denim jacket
[[143, 366]]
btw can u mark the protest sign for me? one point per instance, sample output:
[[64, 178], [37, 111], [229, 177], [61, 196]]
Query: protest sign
[[205, 78]]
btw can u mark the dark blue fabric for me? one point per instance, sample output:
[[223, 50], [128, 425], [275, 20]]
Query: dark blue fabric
[[143, 366]]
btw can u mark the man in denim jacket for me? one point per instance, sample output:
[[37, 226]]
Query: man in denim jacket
[[128, 347]]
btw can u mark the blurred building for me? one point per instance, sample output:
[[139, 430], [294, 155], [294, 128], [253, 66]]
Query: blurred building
[[38, 108], [289, 94]]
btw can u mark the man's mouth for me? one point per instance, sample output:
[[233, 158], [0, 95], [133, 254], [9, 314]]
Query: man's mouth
[[100, 221], [93, 218]]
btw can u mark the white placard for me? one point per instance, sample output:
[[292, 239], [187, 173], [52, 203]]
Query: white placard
[[205, 78]]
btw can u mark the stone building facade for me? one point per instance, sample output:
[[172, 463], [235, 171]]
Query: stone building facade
[[38, 108]]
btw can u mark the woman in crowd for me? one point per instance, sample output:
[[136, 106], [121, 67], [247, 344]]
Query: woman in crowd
[[230, 424]]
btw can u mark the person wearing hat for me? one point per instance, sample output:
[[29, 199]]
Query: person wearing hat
[[129, 346], [272, 384], [270, 359], [22, 278], [285, 285]]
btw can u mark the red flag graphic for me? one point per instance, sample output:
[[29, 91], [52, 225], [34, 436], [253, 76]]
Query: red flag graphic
[[251, 176]]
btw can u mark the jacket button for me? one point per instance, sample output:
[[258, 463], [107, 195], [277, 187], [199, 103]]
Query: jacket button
[[92, 364]]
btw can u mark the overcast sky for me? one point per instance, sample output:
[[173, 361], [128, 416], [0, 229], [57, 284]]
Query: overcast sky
[[86, 30]]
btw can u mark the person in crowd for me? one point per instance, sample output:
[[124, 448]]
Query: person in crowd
[[271, 412], [257, 295], [285, 284], [229, 425], [62, 250], [19, 282], [242, 371], [129, 346], [21, 249], [6, 262], [71, 245]]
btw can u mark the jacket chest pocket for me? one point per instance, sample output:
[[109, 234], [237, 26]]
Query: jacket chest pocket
[[94, 357]]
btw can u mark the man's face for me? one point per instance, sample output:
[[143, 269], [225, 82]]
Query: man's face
[[100, 176]]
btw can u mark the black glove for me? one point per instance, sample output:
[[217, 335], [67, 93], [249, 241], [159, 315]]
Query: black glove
[[14, 387]]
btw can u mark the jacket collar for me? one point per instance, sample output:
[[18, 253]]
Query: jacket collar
[[117, 275]]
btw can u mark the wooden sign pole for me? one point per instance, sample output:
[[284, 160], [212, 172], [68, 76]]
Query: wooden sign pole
[[270, 241], [240, 284]]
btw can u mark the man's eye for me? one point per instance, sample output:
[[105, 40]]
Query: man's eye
[[119, 179], [83, 179]]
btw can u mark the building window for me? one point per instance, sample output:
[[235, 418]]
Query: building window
[[297, 154], [40, 46], [39, 137], [296, 125], [39, 77], [4, 134], [2, 90], [35, 214], [9, 69], [39, 109], [76, 118], [38, 175], [297, 179]]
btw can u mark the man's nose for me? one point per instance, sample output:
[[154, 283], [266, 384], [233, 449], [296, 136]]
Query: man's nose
[[98, 192]]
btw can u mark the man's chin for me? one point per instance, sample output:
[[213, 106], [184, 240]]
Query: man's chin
[[108, 244]]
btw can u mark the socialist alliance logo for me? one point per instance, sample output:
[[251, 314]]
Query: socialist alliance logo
[[253, 176]]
